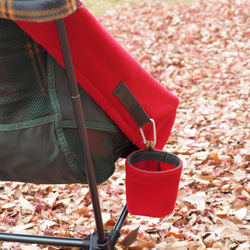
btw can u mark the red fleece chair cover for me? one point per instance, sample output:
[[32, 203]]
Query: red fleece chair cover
[[100, 64]]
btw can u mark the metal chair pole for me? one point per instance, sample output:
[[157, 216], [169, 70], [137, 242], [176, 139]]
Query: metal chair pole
[[81, 128]]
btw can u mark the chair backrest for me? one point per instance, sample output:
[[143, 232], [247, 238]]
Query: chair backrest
[[39, 140]]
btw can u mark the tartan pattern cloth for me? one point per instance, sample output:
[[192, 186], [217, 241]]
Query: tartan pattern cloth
[[36, 10]]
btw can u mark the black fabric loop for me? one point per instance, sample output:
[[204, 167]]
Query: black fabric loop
[[131, 104]]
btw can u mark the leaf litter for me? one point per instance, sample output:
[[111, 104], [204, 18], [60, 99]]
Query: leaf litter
[[200, 51]]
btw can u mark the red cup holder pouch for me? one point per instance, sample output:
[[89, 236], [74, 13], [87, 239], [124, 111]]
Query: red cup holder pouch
[[152, 182]]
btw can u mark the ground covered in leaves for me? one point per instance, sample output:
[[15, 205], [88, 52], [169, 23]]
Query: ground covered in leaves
[[201, 52]]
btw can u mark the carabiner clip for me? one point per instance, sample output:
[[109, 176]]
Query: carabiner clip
[[148, 144]]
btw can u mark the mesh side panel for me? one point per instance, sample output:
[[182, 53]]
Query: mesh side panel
[[101, 148], [73, 141], [23, 81]]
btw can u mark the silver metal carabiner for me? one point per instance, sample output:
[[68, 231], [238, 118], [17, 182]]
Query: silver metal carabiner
[[154, 132]]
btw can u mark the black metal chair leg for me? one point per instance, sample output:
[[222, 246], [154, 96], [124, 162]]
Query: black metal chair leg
[[90, 242], [76, 101]]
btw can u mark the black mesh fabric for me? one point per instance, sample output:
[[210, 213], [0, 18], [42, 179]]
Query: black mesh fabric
[[101, 148], [24, 92]]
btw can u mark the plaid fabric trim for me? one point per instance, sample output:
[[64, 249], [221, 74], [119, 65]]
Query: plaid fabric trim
[[36, 10]]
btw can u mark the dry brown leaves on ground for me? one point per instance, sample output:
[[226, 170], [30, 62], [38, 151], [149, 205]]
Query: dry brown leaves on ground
[[201, 52]]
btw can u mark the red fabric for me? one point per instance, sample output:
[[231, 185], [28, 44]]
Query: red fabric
[[150, 192], [100, 64]]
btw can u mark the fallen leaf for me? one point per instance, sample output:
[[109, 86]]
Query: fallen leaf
[[241, 213]]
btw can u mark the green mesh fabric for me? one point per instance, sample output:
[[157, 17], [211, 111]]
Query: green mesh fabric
[[24, 89]]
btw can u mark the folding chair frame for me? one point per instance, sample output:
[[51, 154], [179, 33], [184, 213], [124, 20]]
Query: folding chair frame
[[99, 239]]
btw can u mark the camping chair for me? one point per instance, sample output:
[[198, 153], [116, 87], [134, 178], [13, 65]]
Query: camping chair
[[83, 126]]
